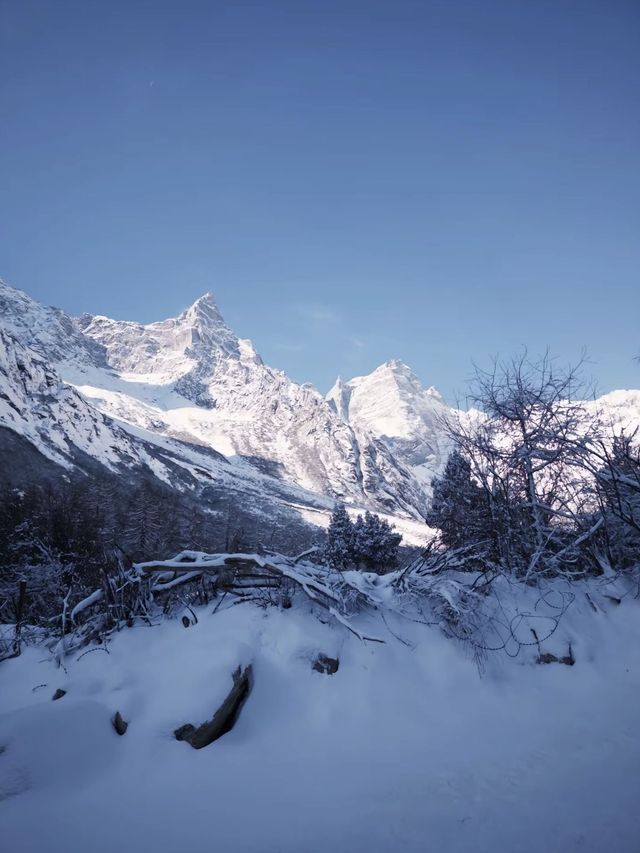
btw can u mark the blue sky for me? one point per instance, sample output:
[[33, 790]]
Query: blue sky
[[354, 181]]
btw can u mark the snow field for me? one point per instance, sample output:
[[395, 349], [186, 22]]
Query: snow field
[[404, 748]]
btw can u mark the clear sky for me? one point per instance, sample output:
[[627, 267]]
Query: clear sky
[[354, 181]]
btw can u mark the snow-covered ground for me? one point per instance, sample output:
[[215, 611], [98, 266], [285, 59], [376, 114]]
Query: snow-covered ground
[[404, 748]]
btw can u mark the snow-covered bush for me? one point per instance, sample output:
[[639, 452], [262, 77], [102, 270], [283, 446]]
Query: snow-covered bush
[[618, 488], [375, 544], [369, 544]]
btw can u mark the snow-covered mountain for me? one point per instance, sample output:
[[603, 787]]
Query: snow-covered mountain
[[191, 381], [188, 400], [53, 416], [393, 406], [191, 377], [46, 330]]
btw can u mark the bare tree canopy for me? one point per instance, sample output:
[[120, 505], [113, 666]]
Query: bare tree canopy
[[525, 442]]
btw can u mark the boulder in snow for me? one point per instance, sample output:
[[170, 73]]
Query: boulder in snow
[[119, 724], [325, 664]]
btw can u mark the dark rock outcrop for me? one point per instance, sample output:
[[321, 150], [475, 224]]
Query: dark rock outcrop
[[325, 664]]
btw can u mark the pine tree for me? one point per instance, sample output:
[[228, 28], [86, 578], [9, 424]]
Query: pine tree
[[375, 544], [338, 550], [458, 508]]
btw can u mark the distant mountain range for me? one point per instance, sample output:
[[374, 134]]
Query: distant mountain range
[[188, 402]]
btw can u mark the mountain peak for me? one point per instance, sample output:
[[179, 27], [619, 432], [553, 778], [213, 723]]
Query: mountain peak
[[207, 299], [205, 324], [204, 310], [395, 365]]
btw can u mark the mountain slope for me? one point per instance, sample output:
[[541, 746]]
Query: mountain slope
[[46, 330], [56, 418]]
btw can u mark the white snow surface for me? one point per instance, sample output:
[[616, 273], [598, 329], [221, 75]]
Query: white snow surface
[[404, 748]]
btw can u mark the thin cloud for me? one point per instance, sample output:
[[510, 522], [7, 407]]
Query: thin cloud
[[320, 313]]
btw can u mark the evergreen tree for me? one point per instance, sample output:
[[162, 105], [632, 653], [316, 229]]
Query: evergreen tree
[[375, 544], [338, 550], [458, 508]]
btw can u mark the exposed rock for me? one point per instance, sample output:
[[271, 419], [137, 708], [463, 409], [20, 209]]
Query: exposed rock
[[567, 660], [119, 724], [325, 664], [224, 718], [59, 694]]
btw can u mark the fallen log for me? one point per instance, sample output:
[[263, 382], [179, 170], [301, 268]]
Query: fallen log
[[224, 718]]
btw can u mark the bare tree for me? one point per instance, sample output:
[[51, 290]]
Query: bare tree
[[613, 460], [525, 440]]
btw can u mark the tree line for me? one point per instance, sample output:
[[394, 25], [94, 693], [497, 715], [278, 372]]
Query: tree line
[[61, 536]]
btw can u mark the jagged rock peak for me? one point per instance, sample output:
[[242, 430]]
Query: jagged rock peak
[[168, 349], [396, 369], [207, 298], [396, 365], [402, 373], [204, 311], [392, 374]]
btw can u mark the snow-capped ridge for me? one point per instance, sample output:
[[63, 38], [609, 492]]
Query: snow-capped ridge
[[46, 330], [373, 441], [394, 372], [213, 386], [165, 351]]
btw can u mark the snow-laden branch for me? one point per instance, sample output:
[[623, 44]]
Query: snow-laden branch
[[86, 602], [151, 583], [485, 609]]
